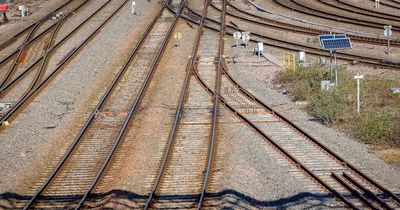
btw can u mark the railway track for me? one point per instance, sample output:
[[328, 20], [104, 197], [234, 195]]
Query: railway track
[[307, 151], [9, 49], [326, 169], [391, 5], [294, 5], [76, 175], [182, 179], [307, 156], [38, 72], [343, 5], [24, 32], [276, 24], [331, 172], [282, 44]]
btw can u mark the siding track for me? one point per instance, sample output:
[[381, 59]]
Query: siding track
[[76, 175], [280, 43], [39, 72], [325, 168], [182, 180]]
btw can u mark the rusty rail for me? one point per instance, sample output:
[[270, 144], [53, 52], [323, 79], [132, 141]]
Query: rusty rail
[[101, 103]]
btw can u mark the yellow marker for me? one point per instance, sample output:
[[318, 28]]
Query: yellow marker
[[178, 35]]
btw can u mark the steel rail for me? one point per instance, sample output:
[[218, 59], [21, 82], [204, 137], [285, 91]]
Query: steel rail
[[365, 177], [305, 30], [292, 159], [27, 70], [22, 100], [366, 191], [361, 11], [388, 5], [40, 71], [310, 137], [364, 11], [76, 141], [179, 108], [353, 191], [329, 16], [38, 36], [216, 106], [133, 110], [395, 1], [10, 70], [6, 43], [308, 49], [375, 61], [102, 101]]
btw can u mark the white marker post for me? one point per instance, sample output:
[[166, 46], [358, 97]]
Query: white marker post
[[133, 12], [377, 3], [24, 10], [237, 35], [178, 37], [358, 77], [246, 37], [388, 33], [260, 48]]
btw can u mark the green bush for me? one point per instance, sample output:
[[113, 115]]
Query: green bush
[[301, 91], [379, 120], [374, 127], [329, 106]]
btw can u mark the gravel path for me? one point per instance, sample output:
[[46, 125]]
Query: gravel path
[[35, 141]]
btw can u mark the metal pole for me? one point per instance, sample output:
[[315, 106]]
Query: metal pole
[[388, 41], [358, 95], [330, 67], [336, 69]]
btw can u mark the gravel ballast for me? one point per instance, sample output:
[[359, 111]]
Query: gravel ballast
[[38, 137]]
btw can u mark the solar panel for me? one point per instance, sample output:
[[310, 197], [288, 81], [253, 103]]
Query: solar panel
[[330, 36], [333, 44]]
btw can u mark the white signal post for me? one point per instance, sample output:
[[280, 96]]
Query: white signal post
[[246, 37], [358, 77], [24, 10], [237, 35], [377, 3], [260, 48], [133, 12], [388, 33], [178, 37]]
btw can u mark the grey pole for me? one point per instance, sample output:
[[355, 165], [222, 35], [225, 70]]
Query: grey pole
[[388, 43], [358, 77], [358, 95], [388, 34], [336, 69], [330, 67]]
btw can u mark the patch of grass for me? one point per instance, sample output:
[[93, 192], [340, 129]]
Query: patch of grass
[[391, 155], [374, 126], [330, 106], [379, 120]]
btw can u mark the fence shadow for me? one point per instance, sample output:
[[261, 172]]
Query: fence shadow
[[226, 199]]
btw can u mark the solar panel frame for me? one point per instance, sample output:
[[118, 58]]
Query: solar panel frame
[[330, 36], [335, 44]]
